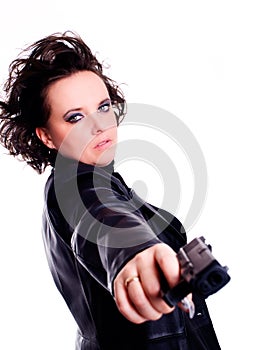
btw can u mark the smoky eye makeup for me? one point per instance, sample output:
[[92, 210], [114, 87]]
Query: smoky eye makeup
[[74, 117], [105, 105]]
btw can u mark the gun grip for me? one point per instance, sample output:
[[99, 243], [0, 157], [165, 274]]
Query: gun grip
[[177, 293]]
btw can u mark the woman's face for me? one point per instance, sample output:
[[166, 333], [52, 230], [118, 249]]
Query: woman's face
[[82, 124]]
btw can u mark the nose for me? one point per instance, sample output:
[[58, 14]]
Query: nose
[[98, 124]]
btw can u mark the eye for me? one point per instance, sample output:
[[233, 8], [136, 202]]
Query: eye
[[105, 107], [74, 118]]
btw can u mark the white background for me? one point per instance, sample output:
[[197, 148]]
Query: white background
[[202, 61]]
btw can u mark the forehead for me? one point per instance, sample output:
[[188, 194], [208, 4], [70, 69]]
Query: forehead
[[79, 86]]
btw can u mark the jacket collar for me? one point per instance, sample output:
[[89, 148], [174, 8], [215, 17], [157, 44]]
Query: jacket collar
[[66, 169]]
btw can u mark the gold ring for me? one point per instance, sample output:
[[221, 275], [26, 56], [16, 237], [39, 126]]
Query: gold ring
[[131, 279]]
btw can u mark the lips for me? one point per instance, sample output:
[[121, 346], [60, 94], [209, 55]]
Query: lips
[[103, 144]]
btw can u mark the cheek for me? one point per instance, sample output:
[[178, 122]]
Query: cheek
[[72, 140], [62, 137], [58, 136], [113, 133]]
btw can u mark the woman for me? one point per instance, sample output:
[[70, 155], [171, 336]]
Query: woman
[[107, 249]]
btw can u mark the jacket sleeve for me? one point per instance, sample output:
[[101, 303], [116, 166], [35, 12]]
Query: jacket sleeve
[[109, 233]]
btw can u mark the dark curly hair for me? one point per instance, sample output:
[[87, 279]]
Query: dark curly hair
[[25, 107]]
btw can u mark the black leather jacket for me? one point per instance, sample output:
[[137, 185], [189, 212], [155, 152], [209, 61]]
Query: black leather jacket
[[92, 225]]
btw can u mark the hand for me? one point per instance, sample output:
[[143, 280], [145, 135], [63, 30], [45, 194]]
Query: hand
[[140, 299]]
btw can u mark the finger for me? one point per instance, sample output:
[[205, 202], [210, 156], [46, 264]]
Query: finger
[[169, 265], [140, 301], [150, 280], [124, 304]]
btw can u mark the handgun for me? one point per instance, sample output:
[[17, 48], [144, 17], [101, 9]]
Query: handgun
[[201, 273]]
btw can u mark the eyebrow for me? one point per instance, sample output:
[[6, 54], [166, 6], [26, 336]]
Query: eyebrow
[[77, 109]]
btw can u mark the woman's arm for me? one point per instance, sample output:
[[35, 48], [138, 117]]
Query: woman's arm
[[114, 242]]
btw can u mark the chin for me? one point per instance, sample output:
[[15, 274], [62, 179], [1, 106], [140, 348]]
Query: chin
[[103, 163], [103, 160]]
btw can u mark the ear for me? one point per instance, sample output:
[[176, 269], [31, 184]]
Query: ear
[[45, 137]]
